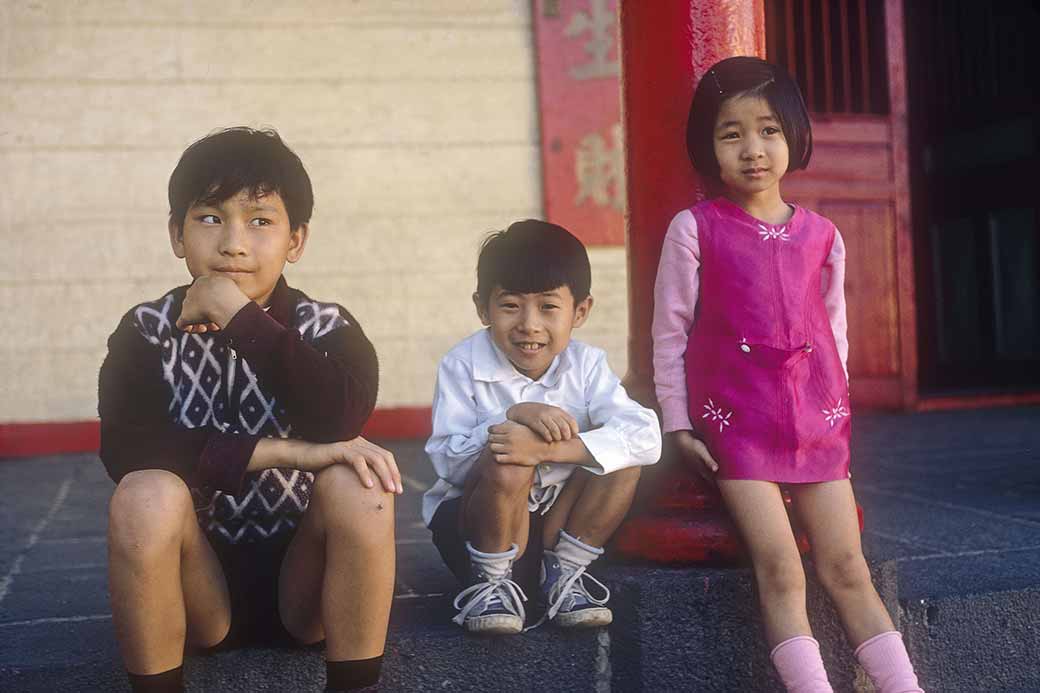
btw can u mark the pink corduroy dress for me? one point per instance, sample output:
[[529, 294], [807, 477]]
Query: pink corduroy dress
[[767, 391]]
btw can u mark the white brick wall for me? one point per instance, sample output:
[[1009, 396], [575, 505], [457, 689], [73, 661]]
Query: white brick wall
[[416, 120]]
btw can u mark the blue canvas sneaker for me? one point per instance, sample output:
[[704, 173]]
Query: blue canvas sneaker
[[491, 605], [568, 602]]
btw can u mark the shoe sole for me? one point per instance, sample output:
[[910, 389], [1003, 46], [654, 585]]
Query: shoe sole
[[584, 618], [496, 624]]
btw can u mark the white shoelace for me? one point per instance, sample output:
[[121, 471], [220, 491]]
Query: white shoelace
[[575, 582], [483, 593]]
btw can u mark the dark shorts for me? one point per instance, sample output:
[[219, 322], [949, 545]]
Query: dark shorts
[[452, 546], [251, 571]]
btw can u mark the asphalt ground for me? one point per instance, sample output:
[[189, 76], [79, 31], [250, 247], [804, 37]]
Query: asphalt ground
[[952, 496]]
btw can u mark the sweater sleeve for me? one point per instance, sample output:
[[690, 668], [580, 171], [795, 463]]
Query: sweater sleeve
[[328, 386], [675, 303], [833, 288], [138, 431]]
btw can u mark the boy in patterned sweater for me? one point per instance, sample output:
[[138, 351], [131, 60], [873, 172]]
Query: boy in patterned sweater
[[247, 506]]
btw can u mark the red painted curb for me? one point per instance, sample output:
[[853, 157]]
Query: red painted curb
[[59, 437]]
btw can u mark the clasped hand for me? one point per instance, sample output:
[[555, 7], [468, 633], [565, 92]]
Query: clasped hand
[[527, 437], [209, 304]]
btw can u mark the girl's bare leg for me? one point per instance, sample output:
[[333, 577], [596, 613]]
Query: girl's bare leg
[[164, 579], [828, 513], [758, 510]]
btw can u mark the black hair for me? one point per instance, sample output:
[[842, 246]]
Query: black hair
[[746, 76], [533, 256], [223, 163]]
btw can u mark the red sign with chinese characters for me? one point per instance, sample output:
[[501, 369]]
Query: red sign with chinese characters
[[583, 157]]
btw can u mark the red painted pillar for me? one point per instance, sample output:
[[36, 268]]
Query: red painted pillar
[[666, 45]]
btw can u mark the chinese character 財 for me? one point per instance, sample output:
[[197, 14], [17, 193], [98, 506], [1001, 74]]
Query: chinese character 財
[[600, 169]]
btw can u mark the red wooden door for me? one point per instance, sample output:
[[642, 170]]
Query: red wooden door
[[845, 53]]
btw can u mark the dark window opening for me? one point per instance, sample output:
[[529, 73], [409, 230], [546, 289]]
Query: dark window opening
[[835, 49]]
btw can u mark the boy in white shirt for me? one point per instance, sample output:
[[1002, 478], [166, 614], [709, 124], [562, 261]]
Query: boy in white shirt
[[536, 443]]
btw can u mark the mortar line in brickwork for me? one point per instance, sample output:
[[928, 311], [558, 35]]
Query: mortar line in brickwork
[[265, 81], [326, 146]]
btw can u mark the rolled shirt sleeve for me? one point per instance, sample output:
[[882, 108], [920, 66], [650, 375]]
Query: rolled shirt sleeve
[[623, 432], [460, 431]]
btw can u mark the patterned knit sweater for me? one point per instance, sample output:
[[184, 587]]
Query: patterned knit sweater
[[196, 404]]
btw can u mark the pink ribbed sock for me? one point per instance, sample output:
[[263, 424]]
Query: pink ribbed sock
[[800, 666], [885, 660]]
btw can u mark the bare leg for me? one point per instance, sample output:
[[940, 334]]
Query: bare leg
[[828, 513], [337, 578], [758, 510], [165, 581], [494, 505], [591, 506]]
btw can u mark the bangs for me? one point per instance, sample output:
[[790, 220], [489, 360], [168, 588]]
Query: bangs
[[532, 257], [220, 166]]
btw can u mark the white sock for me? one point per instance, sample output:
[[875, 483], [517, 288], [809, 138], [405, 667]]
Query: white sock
[[494, 565], [574, 553]]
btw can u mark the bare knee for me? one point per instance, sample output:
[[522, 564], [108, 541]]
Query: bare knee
[[508, 479], [625, 478], [147, 513], [346, 506], [844, 572], [780, 575]]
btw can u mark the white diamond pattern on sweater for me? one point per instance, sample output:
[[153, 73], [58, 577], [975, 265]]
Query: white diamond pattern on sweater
[[212, 386], [318, 319]]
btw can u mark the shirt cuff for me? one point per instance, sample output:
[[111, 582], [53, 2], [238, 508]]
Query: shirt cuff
[[223, 463], [254, 334], [608, 449]]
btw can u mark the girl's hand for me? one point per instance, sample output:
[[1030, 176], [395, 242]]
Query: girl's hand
[[551, 423], [365, 457], [515, 443], [693, 452]]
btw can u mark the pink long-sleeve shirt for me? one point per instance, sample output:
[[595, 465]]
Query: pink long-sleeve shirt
[[675, 304]]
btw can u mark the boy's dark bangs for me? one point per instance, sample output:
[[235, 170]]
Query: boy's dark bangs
[[230, 186], [533, 276], [220, 166]]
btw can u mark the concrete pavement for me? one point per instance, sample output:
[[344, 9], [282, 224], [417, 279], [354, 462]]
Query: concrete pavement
[[952, 507]]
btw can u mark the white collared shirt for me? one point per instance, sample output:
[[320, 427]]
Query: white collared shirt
[[476, 385]]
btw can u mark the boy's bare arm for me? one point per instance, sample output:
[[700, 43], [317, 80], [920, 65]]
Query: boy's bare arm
[[366, 458], [515, 443], [553, 424]]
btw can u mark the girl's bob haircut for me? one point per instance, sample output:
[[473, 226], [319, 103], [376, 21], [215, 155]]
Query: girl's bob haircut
[[746, 76]]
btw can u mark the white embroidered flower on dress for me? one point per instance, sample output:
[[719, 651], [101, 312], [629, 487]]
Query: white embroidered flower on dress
[[838, 412], [769, 234], [716, 414]]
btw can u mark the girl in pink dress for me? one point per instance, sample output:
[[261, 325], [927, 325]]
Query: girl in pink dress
[[750, 367]]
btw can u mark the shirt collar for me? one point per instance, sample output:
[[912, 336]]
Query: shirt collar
[[491, 365]]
